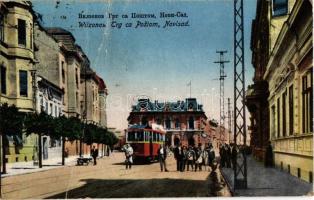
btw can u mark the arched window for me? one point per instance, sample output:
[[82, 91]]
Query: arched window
[[191, 123], [168, 123]]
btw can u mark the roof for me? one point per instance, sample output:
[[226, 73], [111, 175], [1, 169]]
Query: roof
[[137, 126], [101, 84], [145, 105], [59, 31]]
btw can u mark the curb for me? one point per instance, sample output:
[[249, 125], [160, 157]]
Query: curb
[[227, 182]]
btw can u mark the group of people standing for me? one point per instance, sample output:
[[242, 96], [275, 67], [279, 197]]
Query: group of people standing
[[228, 155], [194, 157]]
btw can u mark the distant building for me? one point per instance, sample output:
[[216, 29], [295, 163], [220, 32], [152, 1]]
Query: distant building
[[102, 95], [184, 121], [281, 99]]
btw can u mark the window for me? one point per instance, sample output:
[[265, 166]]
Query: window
[[1, 27], [144, 121], [23, 83], [273, 115], [140, 136], [131, 136], [22, 32], [76, 78], [284, 95], [307, 102], [291, 110], [3, 78], [51, 109], [280, 7], [278, 117], [191, 123], [31, 37], [62, 72]]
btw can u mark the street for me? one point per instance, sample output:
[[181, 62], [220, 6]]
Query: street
[[109, 179]]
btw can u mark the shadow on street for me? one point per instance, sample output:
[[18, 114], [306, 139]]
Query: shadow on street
[[135, 188]]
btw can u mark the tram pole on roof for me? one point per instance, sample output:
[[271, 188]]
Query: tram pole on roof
[[240, 170]]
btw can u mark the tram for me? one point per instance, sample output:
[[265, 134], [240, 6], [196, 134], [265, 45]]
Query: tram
[[145, 141]]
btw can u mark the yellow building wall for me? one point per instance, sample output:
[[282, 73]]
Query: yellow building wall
[[13, 65], [294, 149]]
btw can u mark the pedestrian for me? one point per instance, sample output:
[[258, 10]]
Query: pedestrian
[[211, 156], [184, 158], [204, 157], [234, 156], [269, 157], [222, 156], [190, 158], [162, 155], [94, 154], [198, 158], [228, 155], [178, 156], [128, 156]]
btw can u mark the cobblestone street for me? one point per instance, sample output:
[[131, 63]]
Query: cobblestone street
[[109, 179]]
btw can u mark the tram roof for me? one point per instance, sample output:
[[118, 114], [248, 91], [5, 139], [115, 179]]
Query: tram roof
[[137, 126]]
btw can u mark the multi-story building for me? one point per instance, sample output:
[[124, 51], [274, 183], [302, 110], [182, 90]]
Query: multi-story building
[[288, 72], [16, 63], [70, 60], [257, 94], [90, 99], [184, 121]]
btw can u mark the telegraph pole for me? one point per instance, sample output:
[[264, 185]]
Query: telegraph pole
[[222, 77], [240, 170], [229, 120]]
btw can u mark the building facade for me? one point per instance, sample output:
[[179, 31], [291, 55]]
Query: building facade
[[48, 59], [184, 121], [16, 63], [70, 61], [289, 77], [49, 100], [257, 94]]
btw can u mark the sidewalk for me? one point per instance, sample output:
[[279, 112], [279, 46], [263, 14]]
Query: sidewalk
[[268, 181], [29, 167]]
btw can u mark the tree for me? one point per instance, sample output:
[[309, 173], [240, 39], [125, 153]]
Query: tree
[[11, 124], [40, 124], [69, 129]]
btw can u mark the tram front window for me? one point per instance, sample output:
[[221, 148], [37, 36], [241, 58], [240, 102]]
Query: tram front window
[[131, 136], [135, 136], [140, 136]]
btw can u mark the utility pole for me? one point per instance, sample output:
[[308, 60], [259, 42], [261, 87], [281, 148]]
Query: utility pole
[[229, 120], [240, 170], [222, 77]]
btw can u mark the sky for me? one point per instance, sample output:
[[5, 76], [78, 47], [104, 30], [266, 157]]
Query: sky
[[156, 62]]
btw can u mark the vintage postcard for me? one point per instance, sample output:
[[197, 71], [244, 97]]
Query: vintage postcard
[[156, 98]]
